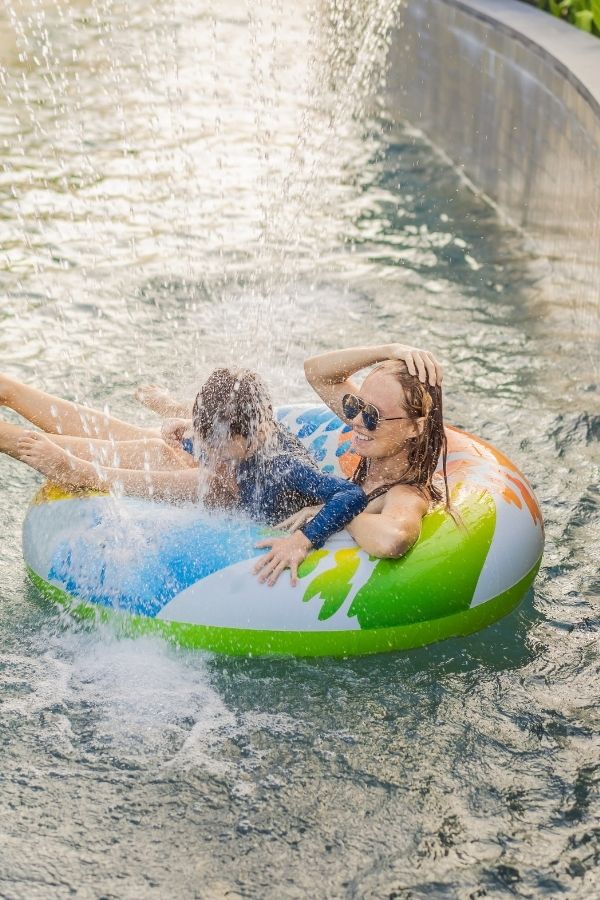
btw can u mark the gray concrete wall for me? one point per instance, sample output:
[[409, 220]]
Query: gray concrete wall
[[512, 95]]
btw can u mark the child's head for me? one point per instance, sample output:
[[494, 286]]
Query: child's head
[[233, 413]]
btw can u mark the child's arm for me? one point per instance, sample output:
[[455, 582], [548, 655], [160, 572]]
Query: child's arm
[[175, 431], [342, 500]]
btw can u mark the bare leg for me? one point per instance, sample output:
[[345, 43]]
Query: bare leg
[[41, 453], [149, 453], [57, 416]]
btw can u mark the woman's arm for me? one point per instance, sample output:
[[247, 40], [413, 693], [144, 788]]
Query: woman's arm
[[329, 374], [69, 471], [392, 532]]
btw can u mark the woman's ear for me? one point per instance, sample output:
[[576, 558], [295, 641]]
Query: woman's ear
[[419, 425], [426, 407]]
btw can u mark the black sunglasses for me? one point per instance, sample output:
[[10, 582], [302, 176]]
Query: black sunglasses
[[353, 405]]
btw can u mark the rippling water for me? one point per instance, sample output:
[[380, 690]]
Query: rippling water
[[186, 184]]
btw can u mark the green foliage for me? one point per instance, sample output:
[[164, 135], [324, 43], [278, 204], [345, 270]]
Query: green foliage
[[584, 20], [584, 14]]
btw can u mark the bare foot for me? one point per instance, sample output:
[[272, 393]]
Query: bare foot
[[155, 398], [46, 457]]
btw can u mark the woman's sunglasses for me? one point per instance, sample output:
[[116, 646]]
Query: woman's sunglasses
[[353, 405]]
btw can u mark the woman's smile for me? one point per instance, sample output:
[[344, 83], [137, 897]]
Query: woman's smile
[[361, 437]]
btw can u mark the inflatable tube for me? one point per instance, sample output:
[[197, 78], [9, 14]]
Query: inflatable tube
[[187, 574]]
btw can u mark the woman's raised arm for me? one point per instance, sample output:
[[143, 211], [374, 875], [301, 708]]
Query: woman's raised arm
[[329, 373]]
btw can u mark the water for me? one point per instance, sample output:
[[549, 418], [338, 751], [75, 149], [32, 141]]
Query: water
[[183, 185]]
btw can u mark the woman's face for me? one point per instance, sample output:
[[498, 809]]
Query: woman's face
[[389, 438]]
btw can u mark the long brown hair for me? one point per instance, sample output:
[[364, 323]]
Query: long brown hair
[[424, 451]]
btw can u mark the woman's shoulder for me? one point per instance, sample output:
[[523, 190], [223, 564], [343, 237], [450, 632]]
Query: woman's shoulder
[[407, 496]]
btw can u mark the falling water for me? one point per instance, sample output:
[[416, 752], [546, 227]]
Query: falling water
[[186, 184]]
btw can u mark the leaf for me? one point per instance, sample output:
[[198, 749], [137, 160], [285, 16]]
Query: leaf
[[333, 585], [561, 9], [595, 4], [438, 576], [584, 20], [310, 563]]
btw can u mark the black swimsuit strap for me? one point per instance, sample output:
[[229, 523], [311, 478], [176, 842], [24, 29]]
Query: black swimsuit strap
[[382, 489], [378, 492]]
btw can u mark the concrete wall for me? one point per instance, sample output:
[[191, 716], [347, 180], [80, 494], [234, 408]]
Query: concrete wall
[[512, 95]]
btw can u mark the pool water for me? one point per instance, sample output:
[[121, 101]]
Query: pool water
[[184, 185]]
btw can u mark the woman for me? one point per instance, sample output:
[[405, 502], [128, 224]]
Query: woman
[[248, 460], [396, 415]]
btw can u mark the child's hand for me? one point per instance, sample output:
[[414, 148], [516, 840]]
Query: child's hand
[[285, 553], [173, 430], [297, 520]]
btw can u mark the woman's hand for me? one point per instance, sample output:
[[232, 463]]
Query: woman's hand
[[330, 374], [297, 520], [418, 362], [173, 430], [285, 553]]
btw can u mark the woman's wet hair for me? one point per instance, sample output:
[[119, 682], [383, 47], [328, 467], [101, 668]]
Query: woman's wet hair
[[233, 403], [425, 448]]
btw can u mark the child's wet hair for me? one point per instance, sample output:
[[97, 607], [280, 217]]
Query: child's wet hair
[[232, 403]]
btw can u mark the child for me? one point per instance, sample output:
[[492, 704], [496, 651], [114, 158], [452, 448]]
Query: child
[[247, 461]]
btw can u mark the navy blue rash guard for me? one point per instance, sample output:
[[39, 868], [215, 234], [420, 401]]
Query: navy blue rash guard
[[287, 484], [271, 488]]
